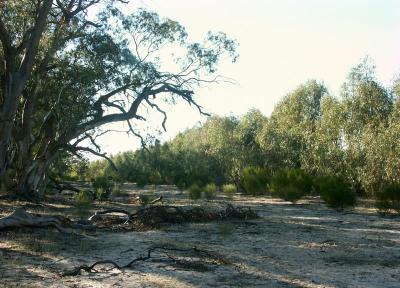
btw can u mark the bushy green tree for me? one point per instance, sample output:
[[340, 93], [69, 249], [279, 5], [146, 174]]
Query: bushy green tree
[[291, 184], [68, 72], [388, 199], [336, 192], [255, 180]]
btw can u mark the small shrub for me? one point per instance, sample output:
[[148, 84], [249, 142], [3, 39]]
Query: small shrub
[[255, 180], [210, 191], [388, 199], [100, 194], [291, 184], [83, 202], [155, 177], [141, 181], [180, 184], [102, 186], [229, 189], [103, 182], [289, 193], [195, 192], [336, 192], [144, 199], [118, 192]]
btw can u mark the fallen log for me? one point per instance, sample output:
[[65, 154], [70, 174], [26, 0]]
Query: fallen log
[[21, 218], [143, 219]]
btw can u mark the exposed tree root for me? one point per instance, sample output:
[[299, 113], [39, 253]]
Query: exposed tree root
[[197, 260]]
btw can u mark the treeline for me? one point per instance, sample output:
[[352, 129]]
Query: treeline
[[348, 141]]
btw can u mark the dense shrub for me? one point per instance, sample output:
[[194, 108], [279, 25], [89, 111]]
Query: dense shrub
[[195, 192], [291, 184], [141, 181], [101, 194], [388, 199], [210, 190], [144, 199], [255, 180], [102, 186], [229, 189], [336, 192], [83, 202], [289, 192], [155, 177]]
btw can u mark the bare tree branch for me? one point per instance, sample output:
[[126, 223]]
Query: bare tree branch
[[153, 105], [75, 149]]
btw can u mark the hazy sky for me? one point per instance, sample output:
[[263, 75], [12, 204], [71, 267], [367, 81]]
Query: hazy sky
[[283, 43]]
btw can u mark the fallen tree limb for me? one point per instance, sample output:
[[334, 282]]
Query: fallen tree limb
[[96, 216], [146, 218], [159, 199], [21, 218], [195, 252], [61, 186]]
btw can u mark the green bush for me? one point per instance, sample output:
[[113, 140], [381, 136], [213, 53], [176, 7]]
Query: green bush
[[388, 199], [195, 192], [83, 202], [144, 199], [289, 192], [118, 192], [291, 184], [100, 194], [155, 177], [336, 192], [255, 180], [229, 189], [210, 191], [102, 186]]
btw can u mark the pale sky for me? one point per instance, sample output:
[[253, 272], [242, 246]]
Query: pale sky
[[283, 43]]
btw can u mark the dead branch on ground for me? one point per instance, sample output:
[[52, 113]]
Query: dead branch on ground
[[204, 259]]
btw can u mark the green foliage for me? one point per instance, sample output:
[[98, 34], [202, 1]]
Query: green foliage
[[195, 192], [309, 133], [255, 180], [117, 192], [210, 190], [155, 177], [102, 186], [291, 184], [229, 189], [102, 182], [83, 202], [144, 199], [86, 70], [388, 199], [289, 192], [336, 192]]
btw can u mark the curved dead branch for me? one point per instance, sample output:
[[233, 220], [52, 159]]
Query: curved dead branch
[[206, 257]]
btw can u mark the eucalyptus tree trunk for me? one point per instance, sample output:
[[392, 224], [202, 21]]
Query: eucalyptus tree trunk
[[18, 67], [32, 179]]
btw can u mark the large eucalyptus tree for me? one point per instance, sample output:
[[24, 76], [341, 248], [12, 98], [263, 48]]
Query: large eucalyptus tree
[[72, 66]]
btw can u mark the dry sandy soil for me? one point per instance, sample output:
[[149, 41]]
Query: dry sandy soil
[[303, 245]]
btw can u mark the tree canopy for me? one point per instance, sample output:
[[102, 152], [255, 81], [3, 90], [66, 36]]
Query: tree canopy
[[72, 66]]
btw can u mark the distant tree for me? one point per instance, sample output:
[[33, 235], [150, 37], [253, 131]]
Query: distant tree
[[291, 128]]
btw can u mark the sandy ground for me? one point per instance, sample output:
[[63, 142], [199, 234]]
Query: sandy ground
[[303, 245]]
